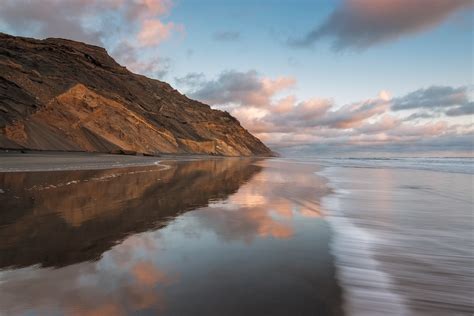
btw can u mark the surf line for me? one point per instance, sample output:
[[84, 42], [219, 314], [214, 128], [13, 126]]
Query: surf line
[[367, 289]]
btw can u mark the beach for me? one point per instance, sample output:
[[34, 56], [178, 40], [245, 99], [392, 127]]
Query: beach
[[405, 236], [236, 158], [234, 236]]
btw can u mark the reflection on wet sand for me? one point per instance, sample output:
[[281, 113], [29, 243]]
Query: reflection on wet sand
[[254, 243], [90, 211], [267, 205]]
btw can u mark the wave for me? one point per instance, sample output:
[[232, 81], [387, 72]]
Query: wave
[[453, 165], [367, 289]]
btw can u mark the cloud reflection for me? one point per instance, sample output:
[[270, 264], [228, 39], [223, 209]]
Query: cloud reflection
[[267, 206]]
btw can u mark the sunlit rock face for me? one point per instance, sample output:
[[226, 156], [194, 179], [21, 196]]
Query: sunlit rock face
[[58, 94]]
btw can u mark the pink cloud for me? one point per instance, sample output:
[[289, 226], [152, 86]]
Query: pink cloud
[[353, 115], [288, 122], [386, 122], [286, 115], [240, 88], [285, 104], [153, 32], [148, 8]]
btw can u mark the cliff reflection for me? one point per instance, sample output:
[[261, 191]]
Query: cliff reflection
[[61, 218]]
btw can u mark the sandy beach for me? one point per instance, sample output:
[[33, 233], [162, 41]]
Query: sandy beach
[[15, 161], [233, 236]]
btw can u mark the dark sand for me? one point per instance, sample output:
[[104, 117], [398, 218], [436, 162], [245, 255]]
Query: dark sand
[[56, 161]]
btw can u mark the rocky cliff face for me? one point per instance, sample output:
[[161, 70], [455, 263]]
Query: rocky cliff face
[[57, 94]]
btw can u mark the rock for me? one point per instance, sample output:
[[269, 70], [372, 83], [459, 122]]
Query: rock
[[57, 94]]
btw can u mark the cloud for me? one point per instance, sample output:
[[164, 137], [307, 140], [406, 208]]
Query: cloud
[[432, 97], [284, 121], [422, 115], [155, 66], [285, 115], [451, 144], [153, 32], [242, 88], [37, 18], [115, 24], [465, 109], [192, 79], [385, 123], [435, 101], [419, 130], [310, 116], [353, 115], [145, 8], [359, 24], [81, 19], [383, 135], [226, 36]]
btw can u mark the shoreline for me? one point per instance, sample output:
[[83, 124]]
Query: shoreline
[[357, 268], [68, 161], [49, 161], [382, 238]]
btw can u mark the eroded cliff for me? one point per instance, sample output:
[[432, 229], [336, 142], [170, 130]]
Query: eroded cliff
[[57, 94]]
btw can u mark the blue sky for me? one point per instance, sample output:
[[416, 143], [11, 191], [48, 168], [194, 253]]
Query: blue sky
[[301, 75], [439, 56]]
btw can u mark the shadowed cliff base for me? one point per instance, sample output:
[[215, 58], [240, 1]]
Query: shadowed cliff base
[[57, 94]]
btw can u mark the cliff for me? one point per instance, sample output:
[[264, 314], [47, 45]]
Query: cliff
[[57, 94]]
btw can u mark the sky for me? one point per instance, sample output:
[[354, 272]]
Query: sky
[[328, 77]]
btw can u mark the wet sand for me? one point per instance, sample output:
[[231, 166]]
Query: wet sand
[[207, 237], [15, 161], [237, 236], [404, 239]]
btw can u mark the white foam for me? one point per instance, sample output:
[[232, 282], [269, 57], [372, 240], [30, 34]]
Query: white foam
[[367, 289]]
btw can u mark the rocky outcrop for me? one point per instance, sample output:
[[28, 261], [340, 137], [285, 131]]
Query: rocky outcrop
[[57, 94]]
